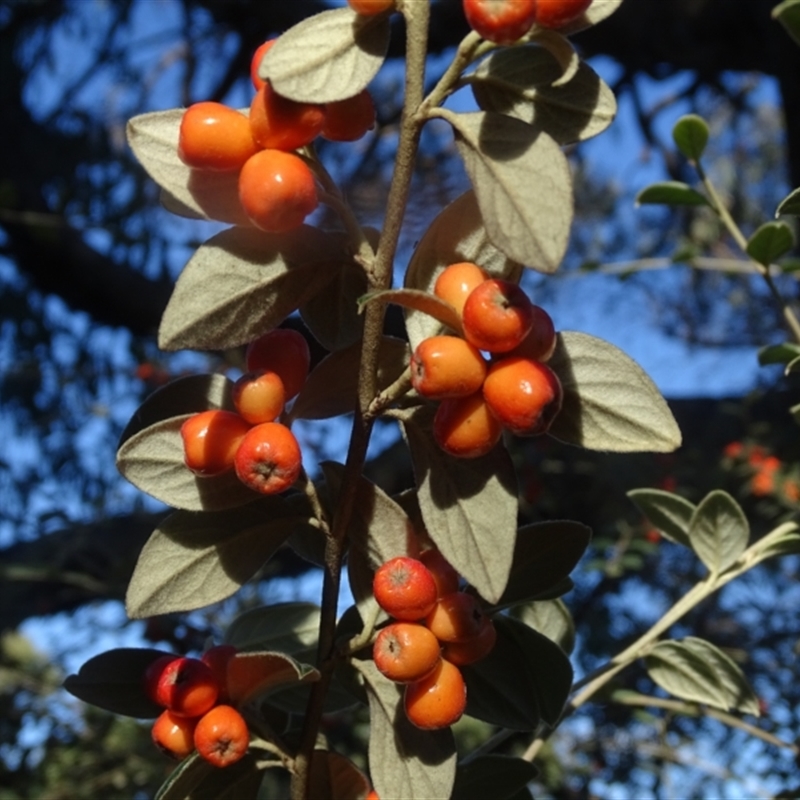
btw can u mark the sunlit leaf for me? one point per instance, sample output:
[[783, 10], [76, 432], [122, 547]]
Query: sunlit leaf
[[609, 401], [404, 761], [669, 513], [469, 506], [671, 193], [519, 81], [718, 531], [791, 203], [691, 136], [696, 670], [551, 618], [330, 56], [523, 185]]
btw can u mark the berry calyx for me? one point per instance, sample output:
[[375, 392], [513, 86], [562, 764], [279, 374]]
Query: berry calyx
[[221, 736], [447, 366], [437, 700], [210, 441], [268, 459], [277, 190], [501, 21], [405, 651], [497, 316], [465, 427], [215, 137], [404, 588]]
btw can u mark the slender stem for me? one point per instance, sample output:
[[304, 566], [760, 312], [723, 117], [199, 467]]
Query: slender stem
[[379, 273], [391, 393], [735, 231]]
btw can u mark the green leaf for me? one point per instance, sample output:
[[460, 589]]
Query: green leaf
[[597, 12], [770, 241], [330, 56], [198, 194], [718, 531], [783, 353], [788, 14], [526, 678], [551, 618], [456, 234], [498, 777], [523, 185], [669, 513], [332, 386], [290, 628], [188, 395], [417, 300], [404, 761], [196, 779], [789, 266], [691, 136], [334, 776], [671, 193], [695, 670], [152, 460], [469, 506], [194, 559], [791, 203], [114, 680], [609, 402], [242, 283], [519, 82], [544, 554]]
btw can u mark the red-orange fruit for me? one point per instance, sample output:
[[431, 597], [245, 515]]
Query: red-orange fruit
[[217, 658], [404, 588], [187, 687], [497, 316], [437, 700], [456, 617], [210, 441], [540, 343], [557, 13], [259, 396], [269, 459], [174, 735], [369, 8], [447, 366], [348, 120], [474, 649], [281, 124], [215, 137], [285, 352], [455, 283], [501, 21], [255, 63], [405, 651], [444, 575], [221, 736], [465, 427], [524, 395]]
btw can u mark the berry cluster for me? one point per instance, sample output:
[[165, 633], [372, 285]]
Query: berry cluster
[[196, 715], [439, 629], [251, 440], [277, 188], [505, 21], [514, 390]]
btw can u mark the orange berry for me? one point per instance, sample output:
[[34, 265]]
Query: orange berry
[[524, 395], [456, 283], [215, 137], [282, 124], [456, 617], [211, 439], [285, 352], [268, 459], [497, 316], [447, 366], [217, 658], [259, 396], [255, 63], [500, 21], [438, 699], [540, 343], [763, 484], [348, 120], [465, 427], [153, 673], [369, 8], [174, 735], [405, 651], [277, 190], [557, 13], [187, 687], [444, 575], [404, 588], [472, 650], [221, 736], [373, 795]]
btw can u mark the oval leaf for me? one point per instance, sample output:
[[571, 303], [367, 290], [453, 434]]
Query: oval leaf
[[791, 203], [784, 353], [696, 670], [526, 678], [498, 777], [552, 619], [199, 194], [196, 779], [417, 300], [609, 402], [188, 395], [114, 680], [456, 234], [671, 193], [524, 82], [523, 185], [332, 775], [469, 506], [242, 283], [194, 559], [290, 628], [718, 531], [770, 241], [152, 460], [788, 14], [332, 386], [597, 12], [691, 136], [404, 761], [669, 513], [330, 56]]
